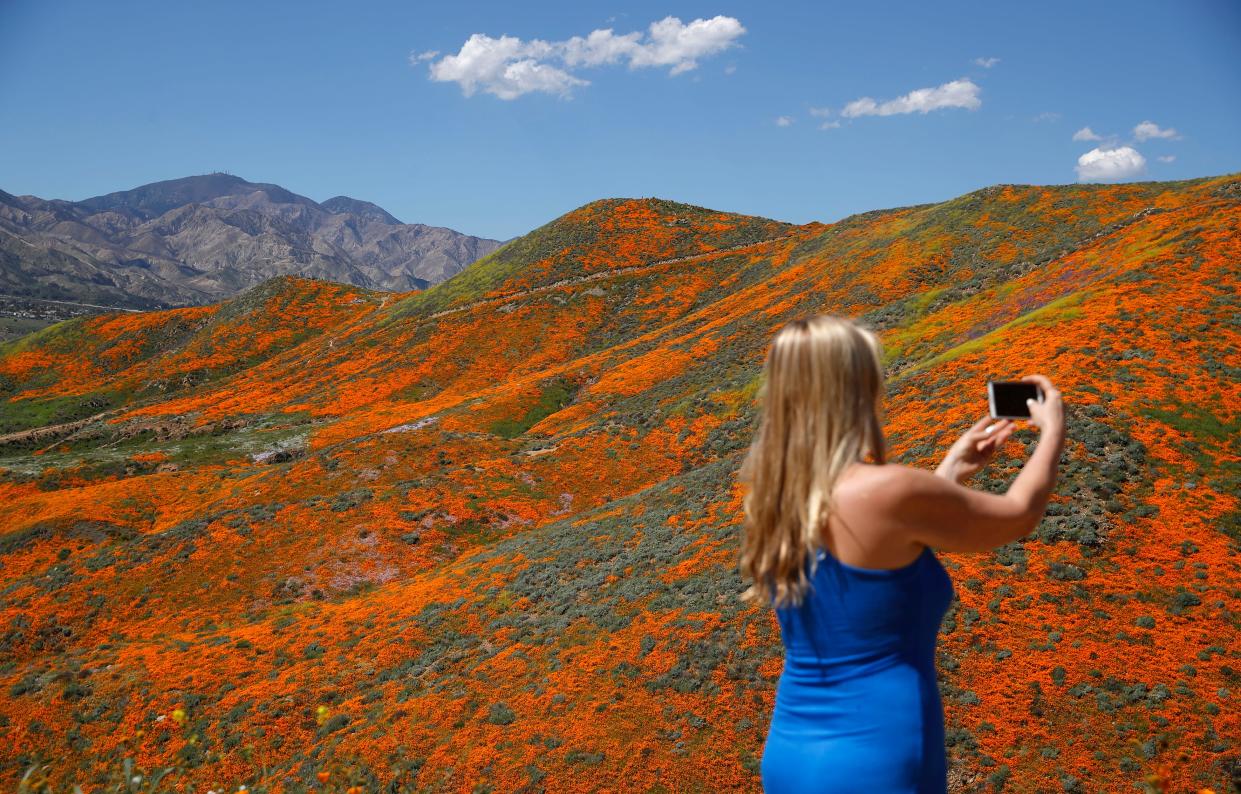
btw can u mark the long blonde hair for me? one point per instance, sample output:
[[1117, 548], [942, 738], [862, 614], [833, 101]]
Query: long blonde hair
[[821, 396]]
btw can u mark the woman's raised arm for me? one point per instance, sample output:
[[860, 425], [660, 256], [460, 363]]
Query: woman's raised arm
[[952, 517]]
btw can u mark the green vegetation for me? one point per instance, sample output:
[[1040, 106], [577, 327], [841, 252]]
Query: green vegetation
[[1046, 316], [12, 328], [25, 414], [556, 394]]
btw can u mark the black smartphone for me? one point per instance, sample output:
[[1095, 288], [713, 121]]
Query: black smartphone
[[1008, 398]]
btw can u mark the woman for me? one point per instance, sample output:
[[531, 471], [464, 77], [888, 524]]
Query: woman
[[841, 548]]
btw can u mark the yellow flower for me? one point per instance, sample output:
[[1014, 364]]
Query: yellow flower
[[321, 714], [178, 716]]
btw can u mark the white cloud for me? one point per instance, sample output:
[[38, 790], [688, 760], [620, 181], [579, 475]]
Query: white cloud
[[1047, 115], [1166, 158], [506, 67], [821, 113], [509, 67], [784, 121], [730, 69], [1107, 165], [599, 47], [956, 94], [674, 44], [829, 125], [419, 57], [1149, 129], [986, 63], [1086, 134]]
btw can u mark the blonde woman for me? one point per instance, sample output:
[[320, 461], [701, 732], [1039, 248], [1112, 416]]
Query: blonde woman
[[841, 548]]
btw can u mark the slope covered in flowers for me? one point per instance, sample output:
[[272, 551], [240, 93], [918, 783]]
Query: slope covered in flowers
[[483, 537]]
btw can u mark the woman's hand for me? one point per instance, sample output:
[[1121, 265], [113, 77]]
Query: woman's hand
[[974, 449], [1047, 414]]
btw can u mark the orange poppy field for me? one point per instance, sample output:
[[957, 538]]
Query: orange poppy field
[[484, 537]]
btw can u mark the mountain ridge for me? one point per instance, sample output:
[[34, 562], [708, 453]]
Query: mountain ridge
[[197, 239]]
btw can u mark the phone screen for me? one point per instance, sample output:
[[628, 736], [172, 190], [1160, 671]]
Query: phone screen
[[1008, 398]]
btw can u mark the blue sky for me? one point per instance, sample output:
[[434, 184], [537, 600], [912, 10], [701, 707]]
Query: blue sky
[[323, 99]]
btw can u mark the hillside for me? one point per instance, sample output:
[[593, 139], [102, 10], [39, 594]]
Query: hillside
[[203, 238], [483, 537]]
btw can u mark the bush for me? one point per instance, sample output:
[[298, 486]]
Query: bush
[[501, 714], [1065, 572]]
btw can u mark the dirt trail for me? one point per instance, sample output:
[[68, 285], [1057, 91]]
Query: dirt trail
[[70, 303], [54, 433], [605, 274]]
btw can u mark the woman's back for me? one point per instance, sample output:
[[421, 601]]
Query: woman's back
[[857, 705]]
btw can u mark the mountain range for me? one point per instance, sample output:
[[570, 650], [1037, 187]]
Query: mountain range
[[484, 536], [204, 238]]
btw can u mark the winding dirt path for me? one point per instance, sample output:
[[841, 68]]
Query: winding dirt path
[[603, 275]]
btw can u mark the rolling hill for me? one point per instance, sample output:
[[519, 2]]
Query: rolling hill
[[483, 537]]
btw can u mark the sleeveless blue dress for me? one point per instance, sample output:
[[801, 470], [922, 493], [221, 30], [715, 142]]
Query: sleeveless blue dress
[[857, 705]]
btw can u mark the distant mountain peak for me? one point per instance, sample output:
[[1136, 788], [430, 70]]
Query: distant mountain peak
[[365, 209], [154, 199]]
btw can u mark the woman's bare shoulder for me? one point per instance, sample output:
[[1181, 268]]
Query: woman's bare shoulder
[[868, 479], [867, 527], [887, 490]]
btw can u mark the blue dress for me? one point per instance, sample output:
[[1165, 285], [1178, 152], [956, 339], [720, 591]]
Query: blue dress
[[857, 706]]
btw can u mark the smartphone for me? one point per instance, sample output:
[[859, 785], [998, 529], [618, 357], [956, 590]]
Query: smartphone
[[1008, 398]]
